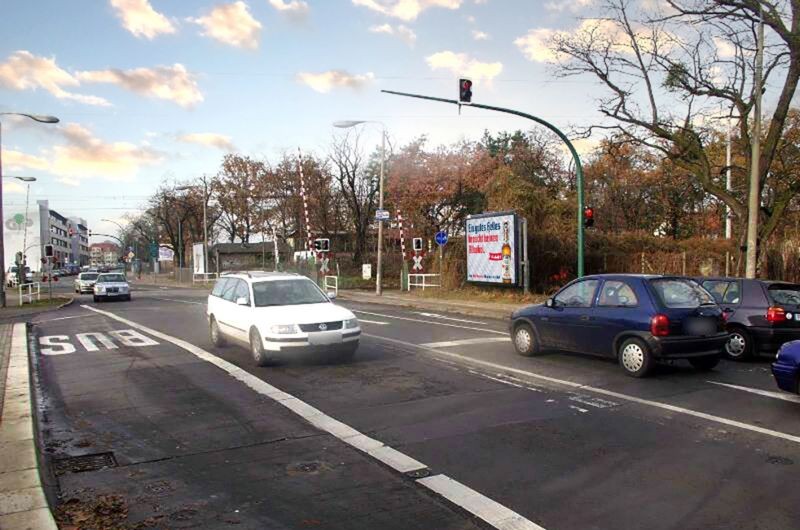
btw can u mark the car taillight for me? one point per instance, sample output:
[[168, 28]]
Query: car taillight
[[776, 314], [659, 326]]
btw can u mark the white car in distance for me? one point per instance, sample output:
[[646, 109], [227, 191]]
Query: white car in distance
[[111, 285], [278, 315]]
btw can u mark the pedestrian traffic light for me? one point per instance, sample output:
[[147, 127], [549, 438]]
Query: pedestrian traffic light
[[48, 251], [417, 244], [588, 217], [464, 91], [322, 245]]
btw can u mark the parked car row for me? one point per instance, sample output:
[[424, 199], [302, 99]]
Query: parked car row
[[642, 319]]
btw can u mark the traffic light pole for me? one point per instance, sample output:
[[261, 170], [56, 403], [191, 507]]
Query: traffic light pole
[[578, 166]]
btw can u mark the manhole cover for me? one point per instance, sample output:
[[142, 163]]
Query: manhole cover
[[779, 460], [79, 464]]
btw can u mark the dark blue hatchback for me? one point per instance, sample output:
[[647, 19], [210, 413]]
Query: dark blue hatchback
[[786, 367], [637, 319]]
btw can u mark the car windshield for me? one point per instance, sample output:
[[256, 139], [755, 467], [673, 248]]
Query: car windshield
[[287, 292], [784, 294], [110, 278], [677, 293], [88, 276]]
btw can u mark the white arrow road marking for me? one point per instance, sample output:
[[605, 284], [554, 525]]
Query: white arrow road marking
[[465, 342], [442, 317], [468, 499], [765, 393]]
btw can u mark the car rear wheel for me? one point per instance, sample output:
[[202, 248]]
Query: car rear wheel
[[635, 358], [739, 346], [704, 364], [257, 348], [524, 340], [216, 335]]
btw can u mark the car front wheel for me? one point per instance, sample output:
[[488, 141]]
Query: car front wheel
[[257, 348], [739, 345], [524, 340], [216, 336], [635, 358]]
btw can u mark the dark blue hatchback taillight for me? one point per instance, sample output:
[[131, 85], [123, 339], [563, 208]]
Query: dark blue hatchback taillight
[[659, 325]]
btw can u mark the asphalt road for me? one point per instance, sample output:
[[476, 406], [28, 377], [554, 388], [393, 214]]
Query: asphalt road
[[564, 441]]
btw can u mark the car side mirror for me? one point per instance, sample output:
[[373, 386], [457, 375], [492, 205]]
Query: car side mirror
[[242, 301], [549, 302], [331, 295]]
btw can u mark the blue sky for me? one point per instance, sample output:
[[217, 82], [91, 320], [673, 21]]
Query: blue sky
[[154, 90]]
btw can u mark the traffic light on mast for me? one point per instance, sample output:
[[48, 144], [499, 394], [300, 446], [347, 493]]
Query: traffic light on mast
[[588, 217], [464, 91]]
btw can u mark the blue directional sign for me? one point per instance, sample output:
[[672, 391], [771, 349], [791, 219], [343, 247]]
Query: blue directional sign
[[441, 238]]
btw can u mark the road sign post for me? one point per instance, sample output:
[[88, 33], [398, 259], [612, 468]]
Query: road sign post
[[441, 240]]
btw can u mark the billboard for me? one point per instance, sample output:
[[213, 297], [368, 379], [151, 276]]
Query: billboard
[[21, 233], [165, 254], [198, 258], [492, 254]]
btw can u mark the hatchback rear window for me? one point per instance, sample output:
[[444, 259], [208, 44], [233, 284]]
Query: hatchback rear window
[[677, 293], [784, 294]]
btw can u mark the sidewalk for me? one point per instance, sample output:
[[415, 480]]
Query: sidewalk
[[498, 311], [17, 313]]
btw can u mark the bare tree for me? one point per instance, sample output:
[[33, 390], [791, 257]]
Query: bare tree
[[665, 74]]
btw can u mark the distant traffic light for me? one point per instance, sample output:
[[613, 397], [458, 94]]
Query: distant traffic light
[[588, 217], [322, 245], [48, 251], [417, 244], [464, 91]]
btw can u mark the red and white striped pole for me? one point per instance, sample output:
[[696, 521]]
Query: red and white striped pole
[[303, 196], [402, 240]]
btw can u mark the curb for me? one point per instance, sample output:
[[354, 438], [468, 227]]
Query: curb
[[501, 313], [23, 503], [26, 317]]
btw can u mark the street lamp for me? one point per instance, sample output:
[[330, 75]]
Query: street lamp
[[35, 117], [205, 222], [23, 179], [346, 124]]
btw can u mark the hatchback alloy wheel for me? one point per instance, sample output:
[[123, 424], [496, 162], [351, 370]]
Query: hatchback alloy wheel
[[736, 347]]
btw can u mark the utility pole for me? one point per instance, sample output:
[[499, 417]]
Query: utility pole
[[379, 273], [754, 202], [728, 185]]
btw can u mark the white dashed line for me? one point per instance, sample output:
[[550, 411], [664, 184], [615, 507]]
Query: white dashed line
[[766, 393], [602, 391], [494, 331], [466, 342], [180, 301], [470, 500], [442, 317], [376, 322]]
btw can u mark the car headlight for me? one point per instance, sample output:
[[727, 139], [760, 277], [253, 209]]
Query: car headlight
[[351, 323], [282, 329]]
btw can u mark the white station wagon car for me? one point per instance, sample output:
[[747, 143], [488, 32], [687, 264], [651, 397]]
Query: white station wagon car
[[279, 314]]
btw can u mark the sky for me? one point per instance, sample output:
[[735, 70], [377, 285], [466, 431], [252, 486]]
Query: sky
[[150, 91]]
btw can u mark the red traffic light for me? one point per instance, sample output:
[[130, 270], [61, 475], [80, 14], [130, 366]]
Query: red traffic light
[[464, 90], [588, 216]]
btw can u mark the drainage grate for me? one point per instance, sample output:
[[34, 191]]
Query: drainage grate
[[79, 464]]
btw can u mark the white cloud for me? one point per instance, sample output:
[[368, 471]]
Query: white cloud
[[84, 155], [470, 19], [219, 141], [725, 48], [69, 181], [535, 45], [294, 9], [462, 64], [25, 71], [172, 83], [324, 82], [479, 35], [139, 17], [404, 33], [14, 186], [406, 9], [575, 6], [231, 24], [17, 160]]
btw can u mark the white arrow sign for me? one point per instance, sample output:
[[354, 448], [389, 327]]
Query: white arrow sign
[[417, 263]]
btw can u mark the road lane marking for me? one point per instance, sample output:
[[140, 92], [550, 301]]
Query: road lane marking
[[490, 511], [582, 411], [610, 393], [376, 322], [179, 301], [56, 319], [765, 393], [465, 342], [429, 322], [493, 513], [442, 317]]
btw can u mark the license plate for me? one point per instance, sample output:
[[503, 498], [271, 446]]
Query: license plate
[[701, 326], [324, 338]]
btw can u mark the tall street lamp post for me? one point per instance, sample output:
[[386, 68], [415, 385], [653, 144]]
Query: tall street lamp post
[[40, 119], [352, 123]]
